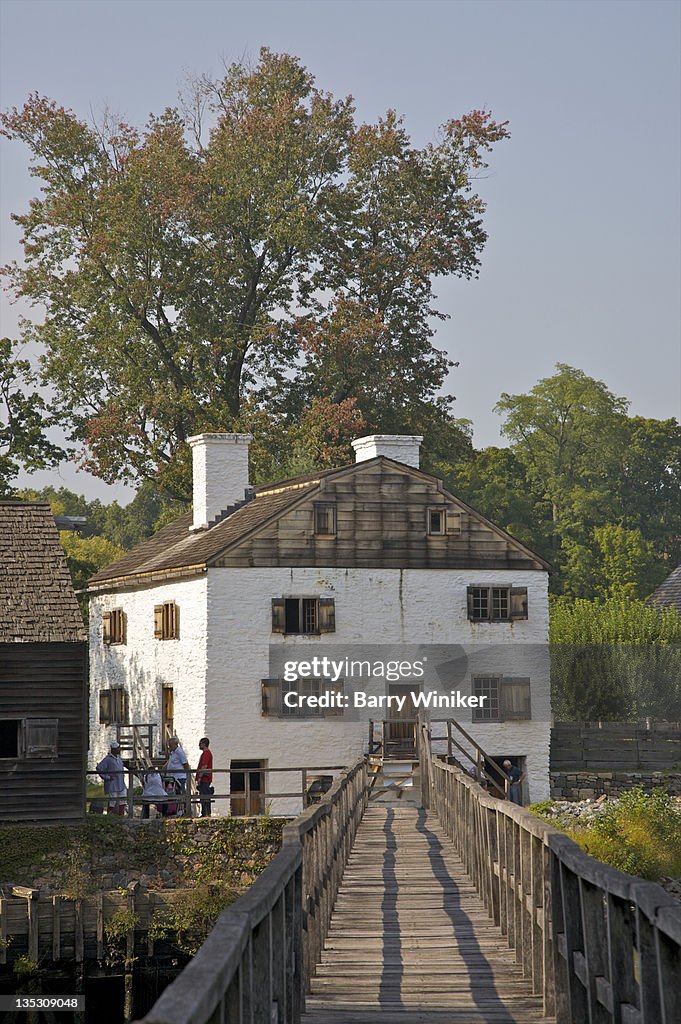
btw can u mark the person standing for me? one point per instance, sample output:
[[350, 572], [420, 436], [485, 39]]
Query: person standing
[[204, 776], [112, 772], [516, 778], [177, 765]]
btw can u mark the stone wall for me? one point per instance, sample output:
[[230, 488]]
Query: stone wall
[[587, 785]]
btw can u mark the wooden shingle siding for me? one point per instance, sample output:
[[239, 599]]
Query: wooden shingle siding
[[381, 522], [41, 681]]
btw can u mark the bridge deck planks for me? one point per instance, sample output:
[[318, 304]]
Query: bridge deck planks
[[410, 941]]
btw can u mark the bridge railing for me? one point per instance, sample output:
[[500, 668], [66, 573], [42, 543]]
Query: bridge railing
[[255, 966], [601, 946]]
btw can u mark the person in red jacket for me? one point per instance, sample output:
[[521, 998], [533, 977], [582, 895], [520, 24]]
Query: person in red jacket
[[204, 776]]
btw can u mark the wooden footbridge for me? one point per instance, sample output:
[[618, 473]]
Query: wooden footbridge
[[453, 907]]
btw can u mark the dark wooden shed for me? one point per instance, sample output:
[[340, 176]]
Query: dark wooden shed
[[43, 672]]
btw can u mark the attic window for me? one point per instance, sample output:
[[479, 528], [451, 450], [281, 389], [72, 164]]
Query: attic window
[[167, 621], [324, 519], [443, 522], [114, 627]]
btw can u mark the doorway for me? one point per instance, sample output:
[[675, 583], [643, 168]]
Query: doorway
[[247, 784], [167, 715], [400, 736]]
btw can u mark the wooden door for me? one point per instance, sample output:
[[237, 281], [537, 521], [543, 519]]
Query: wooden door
[[401, 725], [167, 715], [247, 782]]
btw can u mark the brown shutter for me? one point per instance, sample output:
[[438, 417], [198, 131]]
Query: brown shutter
[[469, 596], [125, 708], [518, 603], [453, 528], [158, 622], [124, 627], [175, 619], [270, 691], [327, 615], [278, 615], [337, 687], [40, 737], [515, 700], [105, 707], [106, 628]]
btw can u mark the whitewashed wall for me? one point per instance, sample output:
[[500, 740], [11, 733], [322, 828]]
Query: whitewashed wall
[[372, 606], [143, 665]]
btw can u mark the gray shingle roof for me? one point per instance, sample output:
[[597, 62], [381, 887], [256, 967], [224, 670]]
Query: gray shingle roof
[[176, 546], [668, 594], [37, 601]]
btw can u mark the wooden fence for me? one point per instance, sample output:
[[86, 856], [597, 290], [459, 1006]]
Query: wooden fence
[[255, 965], [599, 945], [615, 746]]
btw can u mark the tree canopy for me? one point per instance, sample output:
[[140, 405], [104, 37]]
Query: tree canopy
[[251, 257]]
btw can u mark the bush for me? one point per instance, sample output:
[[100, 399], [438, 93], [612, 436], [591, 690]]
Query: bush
[[640, 834]]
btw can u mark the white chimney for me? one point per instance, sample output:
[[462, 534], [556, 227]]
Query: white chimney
[[400, 447], [220, 474]]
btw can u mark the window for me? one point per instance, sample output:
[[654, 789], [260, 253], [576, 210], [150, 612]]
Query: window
[[9, 737], [114, 627], [497, 604], [507, 699], [273, 692], [487, 687], [113, 706], [443, 522], [303, 615], [28, 738], [324, 519], [167, 621]]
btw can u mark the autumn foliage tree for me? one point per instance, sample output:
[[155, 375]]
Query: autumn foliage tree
[[251, 253]]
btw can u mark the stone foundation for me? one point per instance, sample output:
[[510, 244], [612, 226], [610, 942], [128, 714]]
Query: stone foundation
[[567, 785]]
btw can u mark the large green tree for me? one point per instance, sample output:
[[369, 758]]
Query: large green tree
[[23, 420], [191, 270]]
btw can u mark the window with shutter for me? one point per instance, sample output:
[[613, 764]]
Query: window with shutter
[[515, 699], [270, 692], [106, 628], [105, 707], [273, 692], [437, 522], [303, 615], [496, 604], [167, 621], [40, 737], [324, 519]]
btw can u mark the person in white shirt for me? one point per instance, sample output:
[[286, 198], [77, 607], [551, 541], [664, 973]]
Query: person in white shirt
[[153, 792], [177, 765]]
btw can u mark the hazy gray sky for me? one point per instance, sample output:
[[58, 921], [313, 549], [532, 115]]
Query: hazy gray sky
[[583, 259]]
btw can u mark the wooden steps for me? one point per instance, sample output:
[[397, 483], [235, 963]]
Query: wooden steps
[[410, 941]]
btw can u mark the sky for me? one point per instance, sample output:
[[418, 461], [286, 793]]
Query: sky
[[583, 261]]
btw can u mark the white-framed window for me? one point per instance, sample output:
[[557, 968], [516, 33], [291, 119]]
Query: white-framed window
[[273, 692], [497, 603], [442, 521]]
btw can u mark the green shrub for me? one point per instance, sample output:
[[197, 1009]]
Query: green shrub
[[640, 834]]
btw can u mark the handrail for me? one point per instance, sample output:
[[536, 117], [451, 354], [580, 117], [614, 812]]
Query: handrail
[[601, 946], [256, 963]]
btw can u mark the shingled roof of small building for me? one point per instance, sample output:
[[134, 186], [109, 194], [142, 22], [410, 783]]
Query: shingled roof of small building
[[668, 594], [37, 600]]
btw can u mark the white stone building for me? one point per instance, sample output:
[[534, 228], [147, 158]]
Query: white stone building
[[372, 561]]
